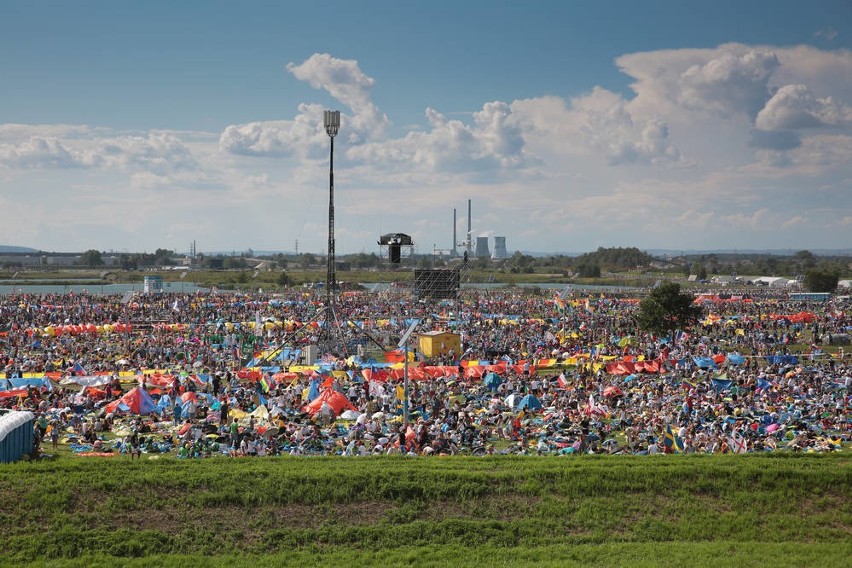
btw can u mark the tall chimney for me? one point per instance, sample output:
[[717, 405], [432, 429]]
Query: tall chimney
[[469, 236], [453, 250]]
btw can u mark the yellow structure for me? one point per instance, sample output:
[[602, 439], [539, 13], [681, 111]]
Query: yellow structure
[[436, 343]]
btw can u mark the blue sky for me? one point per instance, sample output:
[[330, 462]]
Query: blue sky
[[571, 125]]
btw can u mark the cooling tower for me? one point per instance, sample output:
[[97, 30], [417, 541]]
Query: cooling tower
[[500, 248], [482, 248]]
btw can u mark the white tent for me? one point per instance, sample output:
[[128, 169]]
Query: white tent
[[772, 281]]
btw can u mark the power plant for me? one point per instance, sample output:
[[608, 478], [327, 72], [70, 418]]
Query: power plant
[[481, 249]]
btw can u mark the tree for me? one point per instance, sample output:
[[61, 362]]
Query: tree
[[163, 256], [667, 309], [588, 269], [91, 258], [306, 260], [284, 280], [701, 272], [805, 258], [821, 279], [234, 262]]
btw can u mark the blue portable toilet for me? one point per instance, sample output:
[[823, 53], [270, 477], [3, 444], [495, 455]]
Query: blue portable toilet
[[16, 435]]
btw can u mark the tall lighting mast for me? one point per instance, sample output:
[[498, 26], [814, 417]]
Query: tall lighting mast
[[331, 121], [329, 333]]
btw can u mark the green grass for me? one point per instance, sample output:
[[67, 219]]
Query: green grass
[[791, 510]]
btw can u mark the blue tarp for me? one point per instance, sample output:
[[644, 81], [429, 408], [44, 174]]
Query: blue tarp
[[735, 359], [704, 362], [782, 359]]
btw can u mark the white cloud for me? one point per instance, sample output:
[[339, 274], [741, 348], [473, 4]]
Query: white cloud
[[729, 83], [609, 127], [38, 152], [344, 80], [300, 136], [304, 135], [796, 106], [158, 152], [494, 141]]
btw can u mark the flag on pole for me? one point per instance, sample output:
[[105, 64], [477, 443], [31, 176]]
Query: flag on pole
[[560, 303], [672, 442]]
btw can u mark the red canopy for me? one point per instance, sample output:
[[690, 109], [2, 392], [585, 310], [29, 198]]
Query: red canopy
[[337, 401]]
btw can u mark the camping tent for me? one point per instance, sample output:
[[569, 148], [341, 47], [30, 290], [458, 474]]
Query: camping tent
[[136, 401], [492, 381], [529, 402], [336, 400]]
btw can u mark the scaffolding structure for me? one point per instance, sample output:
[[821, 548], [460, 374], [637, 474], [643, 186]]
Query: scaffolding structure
[[437, 284]]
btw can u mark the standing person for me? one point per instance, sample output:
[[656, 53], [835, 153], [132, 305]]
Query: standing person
[[177, 411], [223, 410], [135, 447], [54, 434]]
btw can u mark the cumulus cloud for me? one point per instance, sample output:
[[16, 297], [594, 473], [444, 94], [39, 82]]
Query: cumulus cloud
[[493, 141], [610, 128], [38, 152], [344, 80], [304, 135], [796, 106], [157, 152], [300, 136], [729, 83]]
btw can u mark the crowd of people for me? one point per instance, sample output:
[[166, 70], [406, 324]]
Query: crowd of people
[[206, 374]]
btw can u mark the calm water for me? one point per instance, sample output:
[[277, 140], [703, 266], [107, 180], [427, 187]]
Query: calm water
[[178, 287]]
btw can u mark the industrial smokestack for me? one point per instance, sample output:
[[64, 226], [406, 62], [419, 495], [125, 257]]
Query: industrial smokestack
[[469, 235], [453, 250]]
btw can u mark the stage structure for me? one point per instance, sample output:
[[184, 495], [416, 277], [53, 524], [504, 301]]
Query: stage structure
[[437, 284], [398, 245]]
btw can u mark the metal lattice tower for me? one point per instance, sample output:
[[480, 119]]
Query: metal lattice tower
[[329, 339], [331, 120]]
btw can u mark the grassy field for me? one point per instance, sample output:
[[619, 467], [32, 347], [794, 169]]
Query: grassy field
[[780, 510]]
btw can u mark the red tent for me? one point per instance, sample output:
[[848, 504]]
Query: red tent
[[612, 391], [378, 375], [337, 401], [189, 395], [138, 401]]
